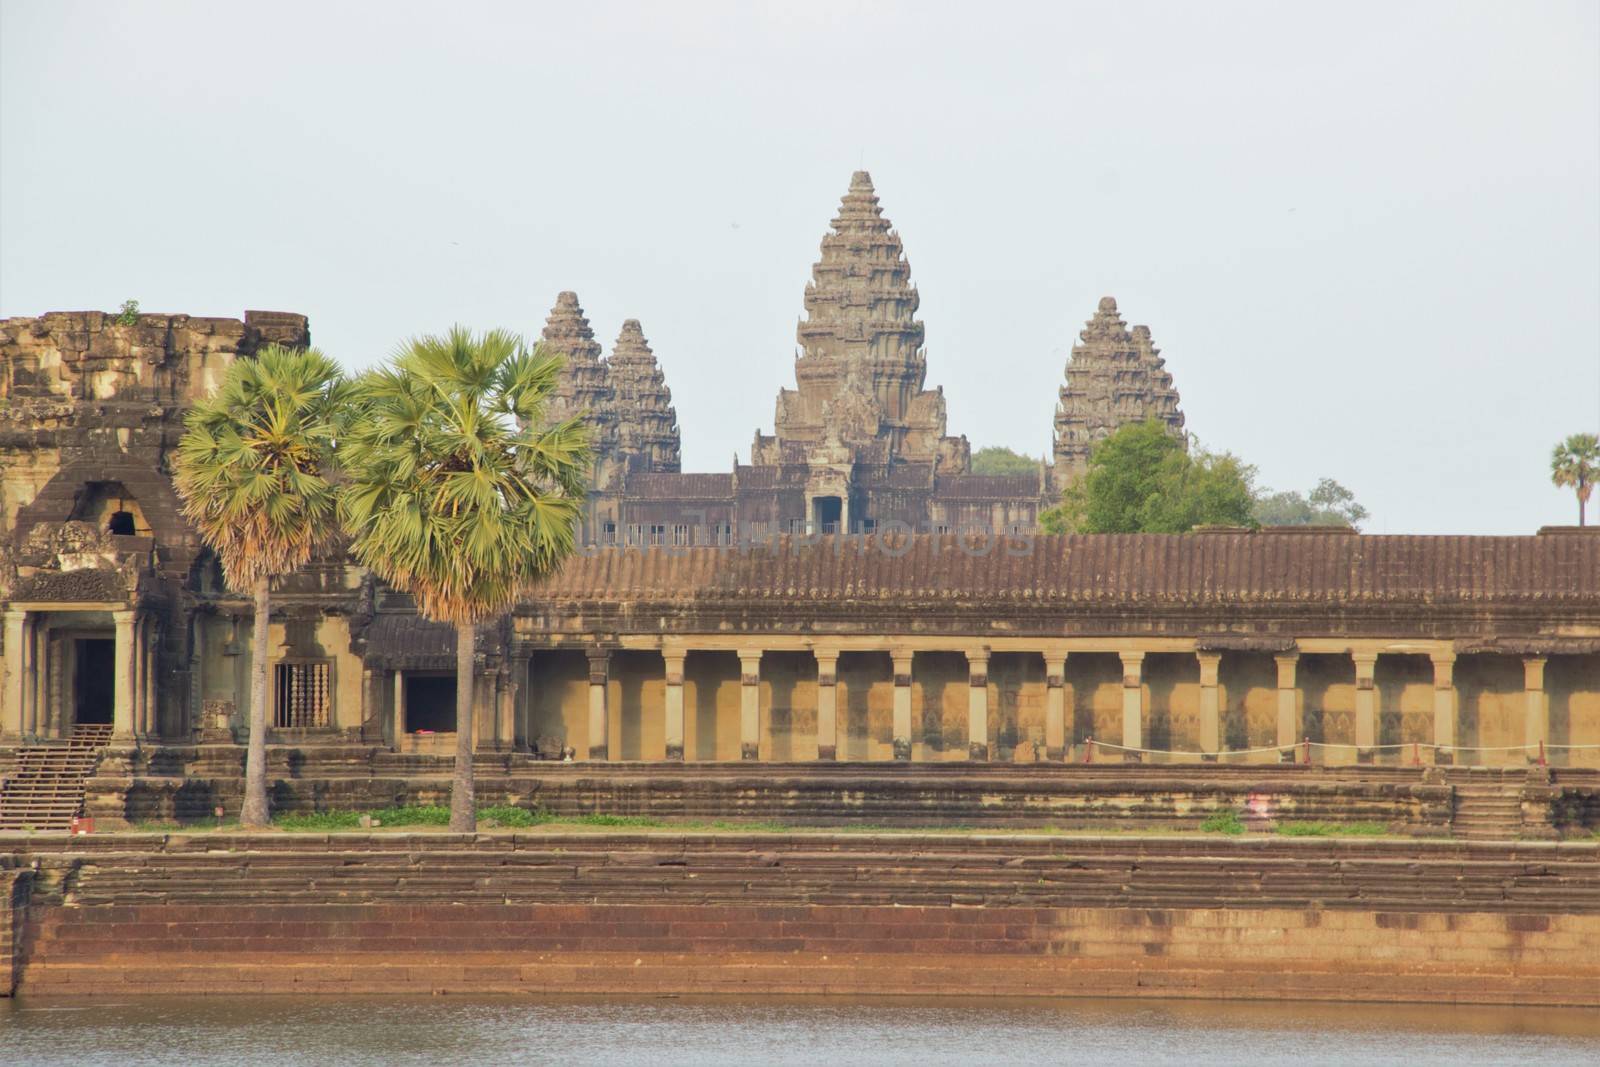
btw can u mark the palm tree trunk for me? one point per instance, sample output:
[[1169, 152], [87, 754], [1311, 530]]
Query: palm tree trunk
[[463, 801], [254, 811]]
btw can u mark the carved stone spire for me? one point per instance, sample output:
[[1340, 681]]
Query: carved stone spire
[[646, 424], [1113, 378], [582, 388], [861, 365]]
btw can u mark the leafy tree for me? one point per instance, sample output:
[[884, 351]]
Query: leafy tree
[[254, 469], [1142, 479], [996, 459], [459, 492], [1329, 504], [1575, 465]]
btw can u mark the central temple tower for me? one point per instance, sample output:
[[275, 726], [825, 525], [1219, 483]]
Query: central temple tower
[[861, 365]]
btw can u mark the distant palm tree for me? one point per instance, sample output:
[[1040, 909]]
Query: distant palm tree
[[1575, 464], [460, 493], [254, 469]]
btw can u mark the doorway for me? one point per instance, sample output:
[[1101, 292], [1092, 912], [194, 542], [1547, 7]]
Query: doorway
[[826, 513], [430, 703], [94, 680]]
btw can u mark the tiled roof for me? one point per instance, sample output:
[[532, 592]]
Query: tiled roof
[[986, 486], [1195, 569], [657, 486]]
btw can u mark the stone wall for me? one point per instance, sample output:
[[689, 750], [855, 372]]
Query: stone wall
[[816, 914]]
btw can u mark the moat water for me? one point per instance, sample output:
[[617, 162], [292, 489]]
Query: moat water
[[290, 1032]]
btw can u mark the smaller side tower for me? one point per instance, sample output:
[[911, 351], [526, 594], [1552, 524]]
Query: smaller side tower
[[646, 425], [1115, 377]]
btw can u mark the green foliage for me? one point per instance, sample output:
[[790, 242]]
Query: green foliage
[[254, 466], [509, 816], [504, 815], [602, 819], [1575, 465], [1142, 479], [459, 492], [1223, 821], [1332, 829], [996, 459], [1329, 504], [128, 314]]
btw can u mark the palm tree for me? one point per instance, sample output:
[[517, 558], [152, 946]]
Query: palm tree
[[1576, 463], [459, 491], [254, 471]]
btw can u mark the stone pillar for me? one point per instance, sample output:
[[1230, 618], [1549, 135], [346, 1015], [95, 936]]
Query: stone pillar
[[16, 623], [139, 689], [749, 704], [1366, 705], [599, 720], [1055, 709], [1132, 704], [152, 677], [33, 707], [978, 704], [674, 703], [828, 740], [902, 703], [56, 707], [1288, 705], [506, 679], [1210, 706], [400, 730], [1444, 706], [127, 655], [1537, 729]]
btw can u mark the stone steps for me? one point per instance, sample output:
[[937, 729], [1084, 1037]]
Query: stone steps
[[45, 788]]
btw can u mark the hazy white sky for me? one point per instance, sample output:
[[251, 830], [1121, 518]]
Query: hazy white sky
[[1365, 235]]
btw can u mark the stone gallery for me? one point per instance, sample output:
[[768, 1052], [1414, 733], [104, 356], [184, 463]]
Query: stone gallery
[[764, 613]]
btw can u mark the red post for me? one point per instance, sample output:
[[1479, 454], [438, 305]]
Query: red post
[[1308, 751], [1088, 750], [1541, 753], [1416, 754]]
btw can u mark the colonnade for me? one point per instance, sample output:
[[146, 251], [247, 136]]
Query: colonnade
[[830, 740], [40, 660]]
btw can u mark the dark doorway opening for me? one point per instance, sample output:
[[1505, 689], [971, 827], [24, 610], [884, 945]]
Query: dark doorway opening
[[826, 511], [121, 523], [431, 703], [94, 681]]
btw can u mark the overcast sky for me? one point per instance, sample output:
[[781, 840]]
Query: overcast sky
[[1365, 236]]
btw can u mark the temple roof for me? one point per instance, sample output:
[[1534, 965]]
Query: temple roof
[[1197, 569], [647, 424]]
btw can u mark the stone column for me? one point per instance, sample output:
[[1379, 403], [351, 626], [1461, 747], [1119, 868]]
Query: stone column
[[1055, 708], [400, 730], [1366, 705], [60, 652], [139, 665], [674, 703], [34, 706], [902, 703], [1288, 704], [152, 677], [1444, 705], [1210, 706], [978, 704], [749, 704], [127, 655], [1537, 729], [1132, 704], [599, 720], [506, 679], [16, 623], [828, 740]]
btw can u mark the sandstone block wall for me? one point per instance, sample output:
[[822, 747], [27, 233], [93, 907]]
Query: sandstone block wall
[[817, 914]]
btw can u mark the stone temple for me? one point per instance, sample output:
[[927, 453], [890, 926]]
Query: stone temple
[[1386, 660], [860, 441]]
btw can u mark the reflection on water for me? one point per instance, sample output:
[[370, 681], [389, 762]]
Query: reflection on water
[[294, 1031]]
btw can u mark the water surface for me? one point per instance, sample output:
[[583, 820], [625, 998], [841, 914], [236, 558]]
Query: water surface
[[710, 1032]]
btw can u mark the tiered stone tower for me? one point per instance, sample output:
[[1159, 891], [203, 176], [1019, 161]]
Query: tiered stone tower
[[1113, 378], [583, 388], [646, 424], [861, 364]]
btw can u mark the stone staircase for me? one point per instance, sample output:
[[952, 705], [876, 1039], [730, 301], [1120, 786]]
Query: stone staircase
[[46, 787], [1488, 803]]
